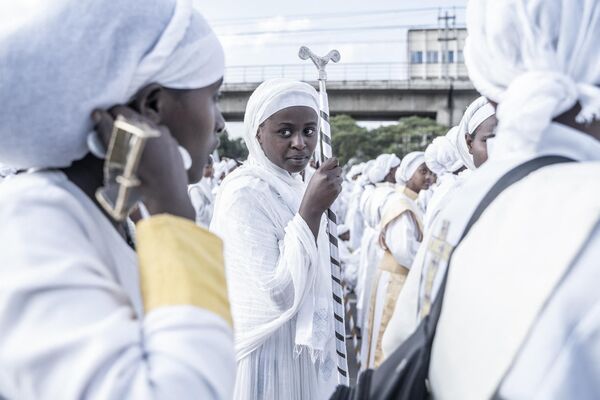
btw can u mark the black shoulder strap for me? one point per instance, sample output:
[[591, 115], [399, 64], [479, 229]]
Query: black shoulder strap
[[511, 177]]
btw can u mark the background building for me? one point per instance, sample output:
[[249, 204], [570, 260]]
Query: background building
[[436, 53]]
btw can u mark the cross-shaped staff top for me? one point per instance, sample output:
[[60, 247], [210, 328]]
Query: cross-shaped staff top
[[320, 62]]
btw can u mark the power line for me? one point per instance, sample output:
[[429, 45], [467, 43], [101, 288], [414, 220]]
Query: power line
[[217, 22], [333, 41], [319, 30]]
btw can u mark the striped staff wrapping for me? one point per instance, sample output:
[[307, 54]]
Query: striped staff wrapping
[[336, 271]]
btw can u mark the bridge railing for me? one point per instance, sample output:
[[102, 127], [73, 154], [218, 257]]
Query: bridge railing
[[336, 72]]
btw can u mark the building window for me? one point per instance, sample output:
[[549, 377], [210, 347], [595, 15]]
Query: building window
[[449, 57], [416, 57], [432, 57], [459, 57]]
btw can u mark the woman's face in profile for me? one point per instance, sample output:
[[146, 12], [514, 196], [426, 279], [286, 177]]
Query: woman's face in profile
[[289, 137], [194, 119], [478, 143], [422, 179]]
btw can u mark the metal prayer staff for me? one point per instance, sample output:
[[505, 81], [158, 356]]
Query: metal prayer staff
[[326, 153]]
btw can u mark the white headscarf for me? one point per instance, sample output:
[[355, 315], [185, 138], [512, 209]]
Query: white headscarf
[[231, 164], [441, 156], [409, 165], [270, 97], [355, 170], [61, 59], [364, 178], [537, 59], [477, 112], [6, 171], [382, 166], [220, 168]]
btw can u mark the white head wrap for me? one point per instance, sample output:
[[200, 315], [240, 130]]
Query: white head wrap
[[409, 165], [355, 170], [441, 156], [6, 171], [477, 112], [270, 97], [364, 178], [61, 59], [537, 59], [382, 166], [220, 168], [231, 164]]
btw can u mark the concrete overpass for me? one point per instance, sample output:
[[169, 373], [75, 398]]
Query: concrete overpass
[[376, 100]]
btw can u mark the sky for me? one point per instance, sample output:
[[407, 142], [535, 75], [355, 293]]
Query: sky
[[270, 32]]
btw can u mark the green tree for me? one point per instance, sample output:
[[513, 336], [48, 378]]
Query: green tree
[[351, 141], [232, 148]]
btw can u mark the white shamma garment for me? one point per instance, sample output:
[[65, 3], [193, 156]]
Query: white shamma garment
[[278, 276]]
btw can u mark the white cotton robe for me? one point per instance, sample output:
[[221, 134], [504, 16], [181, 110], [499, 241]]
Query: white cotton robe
[[271, 260], [201, 195], [402, 238], [72, 324], [520, 312], [279, 276], [374, 200], [354, 218], [498, 338], [349, 260]]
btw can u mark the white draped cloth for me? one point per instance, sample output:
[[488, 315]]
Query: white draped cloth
[[381, 167], [402, 234], [373, 201], [507, 288], [279, 276], [409, 165], [349, 260], [201, 195], [71, 319], [535, 301], [70, 306], [425, 197], [443, 158], [402, 239], [171, 45], [6, 172], [354, 218]]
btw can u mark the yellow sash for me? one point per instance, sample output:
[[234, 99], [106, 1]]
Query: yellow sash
[[397, 272], [181, 264]]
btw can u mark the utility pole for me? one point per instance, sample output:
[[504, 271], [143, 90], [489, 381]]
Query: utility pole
[[445, 38]]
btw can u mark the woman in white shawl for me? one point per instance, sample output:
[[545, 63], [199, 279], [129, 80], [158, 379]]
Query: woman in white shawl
[[442, 158], [201, 195], [381, 175], [399, 235], [477, 125], [83, 314], [277, 256], [470, 142], [462, 150]]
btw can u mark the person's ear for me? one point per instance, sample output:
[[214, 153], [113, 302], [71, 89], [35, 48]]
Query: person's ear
[[469, 140], [149, 101], [259, 136]]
